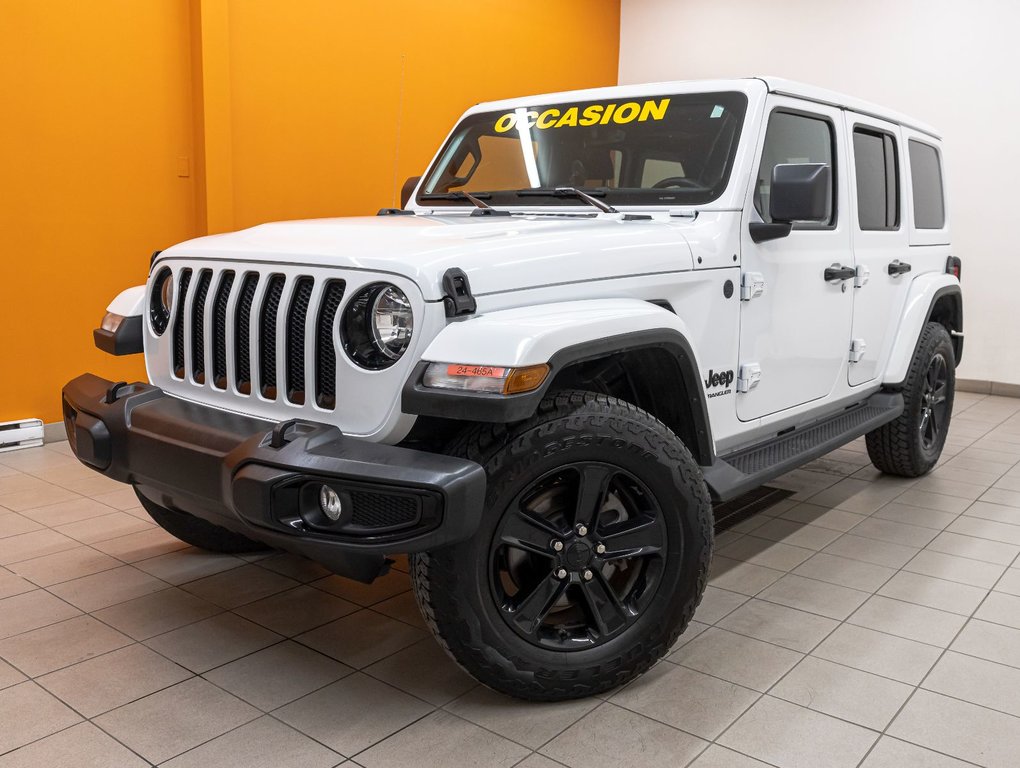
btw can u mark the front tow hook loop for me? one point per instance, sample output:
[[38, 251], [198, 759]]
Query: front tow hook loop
[[279, 438], [113, 392]]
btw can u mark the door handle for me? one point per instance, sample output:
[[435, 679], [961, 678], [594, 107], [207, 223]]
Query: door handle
[[837, 272], [898, 267]]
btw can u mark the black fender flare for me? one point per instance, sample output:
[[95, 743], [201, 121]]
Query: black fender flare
[[416, 399]]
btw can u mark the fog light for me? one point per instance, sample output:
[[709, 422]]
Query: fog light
[[329, 503]]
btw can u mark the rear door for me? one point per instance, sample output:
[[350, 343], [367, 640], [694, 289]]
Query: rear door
[[880, 238], [797, 331]]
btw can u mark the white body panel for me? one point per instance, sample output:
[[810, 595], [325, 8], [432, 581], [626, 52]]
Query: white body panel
[[533, 334], [549, 277], [129, 302]]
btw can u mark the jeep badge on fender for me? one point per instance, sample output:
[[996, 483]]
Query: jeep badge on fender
[[531, 378], [718, 379]]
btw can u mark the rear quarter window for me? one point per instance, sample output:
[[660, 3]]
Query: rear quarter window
[[926, 180]]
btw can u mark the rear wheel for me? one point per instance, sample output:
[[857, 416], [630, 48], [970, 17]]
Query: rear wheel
[[198, 532], [911, 445], [591, 557]]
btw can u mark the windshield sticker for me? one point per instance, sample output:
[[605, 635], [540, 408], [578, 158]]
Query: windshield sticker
[[594, 114], [717, 111]]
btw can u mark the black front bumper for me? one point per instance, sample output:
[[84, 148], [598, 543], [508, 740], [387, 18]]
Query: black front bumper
[[263, 479]]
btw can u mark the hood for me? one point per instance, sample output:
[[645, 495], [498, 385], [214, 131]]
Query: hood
[[498, 253]]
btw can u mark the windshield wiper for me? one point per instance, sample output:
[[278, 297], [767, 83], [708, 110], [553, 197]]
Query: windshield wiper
[[459, 195], [567, 192], [483, 208]]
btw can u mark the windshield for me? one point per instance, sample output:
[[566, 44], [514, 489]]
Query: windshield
[[662, 150]]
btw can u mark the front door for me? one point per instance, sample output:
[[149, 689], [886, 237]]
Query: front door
[[797, 332]]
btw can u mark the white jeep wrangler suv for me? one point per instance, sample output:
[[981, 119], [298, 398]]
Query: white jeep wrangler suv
[[597, 313]]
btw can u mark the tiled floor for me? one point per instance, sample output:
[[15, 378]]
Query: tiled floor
[[866, 620]]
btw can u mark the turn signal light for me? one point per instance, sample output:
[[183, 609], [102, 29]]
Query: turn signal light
[[954, 267], [525, 379], [485, 378]]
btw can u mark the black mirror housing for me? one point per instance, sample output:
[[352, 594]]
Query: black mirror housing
[[800, 192], [408, 189]]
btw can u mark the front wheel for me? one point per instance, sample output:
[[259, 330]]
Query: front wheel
[[591, 557], [911, 444]]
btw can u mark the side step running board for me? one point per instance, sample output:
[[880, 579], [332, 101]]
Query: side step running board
[[743, 470]]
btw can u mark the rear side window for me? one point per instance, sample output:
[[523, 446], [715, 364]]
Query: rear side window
[[794, 138], [878, 203], [926, 180]]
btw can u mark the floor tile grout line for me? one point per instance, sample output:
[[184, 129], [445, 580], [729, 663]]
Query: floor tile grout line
[[757, 697], [119, 563], [810, 653], [840, 624], [260, 714], [445, 708], [84, 719], [870, 594], [919, 685]]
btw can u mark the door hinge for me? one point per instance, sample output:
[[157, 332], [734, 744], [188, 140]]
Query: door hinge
[[857, 347], [749, 377], [752, 285], [862, 277]]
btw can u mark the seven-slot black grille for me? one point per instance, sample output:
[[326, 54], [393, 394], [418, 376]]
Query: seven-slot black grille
[[267, 336], [220, 330], [296, 317], [242, 333], [283, 314], [181, 299], [325, 350], [198, 327]]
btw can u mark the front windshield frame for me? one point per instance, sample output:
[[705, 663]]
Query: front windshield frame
[[630, 131]]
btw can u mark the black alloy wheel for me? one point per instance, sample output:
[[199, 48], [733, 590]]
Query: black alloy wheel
[[578, 556], [911, 444], [934, 406]]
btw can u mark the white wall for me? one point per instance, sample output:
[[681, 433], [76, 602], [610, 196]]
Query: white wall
[[955, 65]]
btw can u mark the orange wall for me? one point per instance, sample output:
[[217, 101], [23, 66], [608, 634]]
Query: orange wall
[[95, 110], [284, 110], [335, 104]]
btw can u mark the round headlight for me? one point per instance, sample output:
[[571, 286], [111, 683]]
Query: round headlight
[[161, 296], [377, 326]]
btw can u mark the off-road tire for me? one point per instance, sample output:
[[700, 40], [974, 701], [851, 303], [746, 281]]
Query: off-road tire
[[197, 532], [897, 448], [452, 588]]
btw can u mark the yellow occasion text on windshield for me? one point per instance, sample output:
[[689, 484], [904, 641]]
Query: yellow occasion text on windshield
[[594, 114]]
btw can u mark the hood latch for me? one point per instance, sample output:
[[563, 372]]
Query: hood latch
[[457, 293]]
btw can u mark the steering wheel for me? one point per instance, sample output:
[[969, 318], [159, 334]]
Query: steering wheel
[[675, 181]]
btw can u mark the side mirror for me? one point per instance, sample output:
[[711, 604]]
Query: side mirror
[[799, 192], [408, 189]]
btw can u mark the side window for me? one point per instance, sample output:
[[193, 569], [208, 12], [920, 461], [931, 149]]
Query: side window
[[794, 138], [878, 199], [926, 180]]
